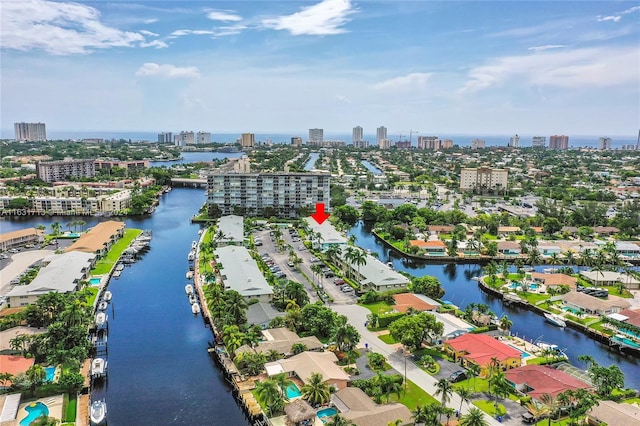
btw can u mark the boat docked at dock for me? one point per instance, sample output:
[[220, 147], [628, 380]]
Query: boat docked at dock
[[188, 289], [189, 275], [107, 296], [102, 306], [191, 256], [98, 413], [98, 368], [556, 320], [195, 308], [194, 245], [101, 320]]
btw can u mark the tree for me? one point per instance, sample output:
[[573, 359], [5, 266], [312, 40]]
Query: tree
[[413, 329], [474, 369], [45, 420], [55, 228], [505, 323], [345, 335], [36, 374], [283, 382], [298, 348], [606, 379], [427, 285], [72, 382], [270, 395], [465, 396], [444, 390], [316, 391], [474, 417], [358, 258], [338, 420], [426, 414]]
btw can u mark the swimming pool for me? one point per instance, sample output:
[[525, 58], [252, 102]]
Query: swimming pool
[[35, 410], [326, 412], [293, 391], [525, 354], [95, 281], [51, 374]]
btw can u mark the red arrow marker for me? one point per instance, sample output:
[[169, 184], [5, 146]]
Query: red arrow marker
[[320, 215]]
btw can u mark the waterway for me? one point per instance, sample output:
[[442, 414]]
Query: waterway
[[159, 370], [311, 162], [195, 157], [373, 169], [461, 289]]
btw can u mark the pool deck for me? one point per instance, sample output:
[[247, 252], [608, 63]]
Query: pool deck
[[53, 403]]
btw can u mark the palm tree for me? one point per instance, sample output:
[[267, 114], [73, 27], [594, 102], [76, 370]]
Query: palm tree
[[345, 335], [316, 391], [55, 228], [474, 417], [465, 396], [236, 306], [551, 405], [283, 382], [36, 374], [73, 314], [5, 377], [474, 369], [445, 390], [505, 323], [491, 269], [270, 396], [317, 270], [357, 258], [338, 420]]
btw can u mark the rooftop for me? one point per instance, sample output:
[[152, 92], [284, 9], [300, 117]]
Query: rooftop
[[544, 380], [307, 363], [232, 228], [592, 303], [481, 348], [330, 235], [240, 272], [97, 238], [356, 406]]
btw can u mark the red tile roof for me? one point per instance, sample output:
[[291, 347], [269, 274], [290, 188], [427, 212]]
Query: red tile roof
[[633, 315], [544, 380], [481, 348], [405, 301], [420, 243], [14, 365]]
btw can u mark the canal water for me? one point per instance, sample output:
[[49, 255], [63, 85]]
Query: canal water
[[311, 162], [159, 370], [373, 169], [461, 289]]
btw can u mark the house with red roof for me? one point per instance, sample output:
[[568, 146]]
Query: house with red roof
[[482, 349], [14, 365], [433, 247], [538, 380]]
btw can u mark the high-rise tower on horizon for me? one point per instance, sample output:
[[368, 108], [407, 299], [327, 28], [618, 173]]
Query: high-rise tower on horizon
[[30, 132], [316, 136], [514, 141], [558, 142], [381, 135], [604, 143], [357, 135]]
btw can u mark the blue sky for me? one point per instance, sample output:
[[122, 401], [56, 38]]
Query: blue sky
[[480, 67]]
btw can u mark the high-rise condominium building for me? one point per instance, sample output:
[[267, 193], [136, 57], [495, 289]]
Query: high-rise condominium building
[[483, 179], [316, 136], [558, 142], [385, 143], [203, 138], [381, 134], [267, 194], [184, 138], [447, 144], [514, 141], [478, 144], [296, 141], [539, 141], [357, 135], [429, 142], [604, 143], [54, 171], [30, 132], [165, 137], [248, 140]]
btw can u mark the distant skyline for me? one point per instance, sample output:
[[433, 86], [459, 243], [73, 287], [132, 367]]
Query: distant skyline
[[484, 68]]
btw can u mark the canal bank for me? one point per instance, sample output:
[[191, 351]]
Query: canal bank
[[462, 289]]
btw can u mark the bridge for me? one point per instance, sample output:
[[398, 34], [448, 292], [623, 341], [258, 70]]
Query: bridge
[[186, 182]]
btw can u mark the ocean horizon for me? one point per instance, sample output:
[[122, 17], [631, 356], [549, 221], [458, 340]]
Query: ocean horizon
[[578, 141]]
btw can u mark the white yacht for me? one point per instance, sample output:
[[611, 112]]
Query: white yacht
[[556, 320], [98, 367], [191, 256], [188, 289], [195, 308], [102, 306], [101, 319], [107, 296], [189, 275], [98, 412]]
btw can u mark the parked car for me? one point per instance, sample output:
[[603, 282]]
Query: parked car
[[338, 281], [290, 264], [458, 376], [329, 274]]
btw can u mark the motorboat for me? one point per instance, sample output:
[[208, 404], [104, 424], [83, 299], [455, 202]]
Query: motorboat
[[194, 244], [102, 306], [191, 256], [98, 367], [119, 267], [107, 296], [98, 412], [192, 298], [556, 320], [188, 289], [101, 319], [195, 308], [189, 275]]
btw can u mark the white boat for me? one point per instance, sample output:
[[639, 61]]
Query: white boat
[[107, 296], [189, 275], [200, 231], [102, 306], [98, 412], [195, 308], [101, 319], [191, 256], [194, 244], [119, 267], [188, 289], [556, 320], [98, 367]]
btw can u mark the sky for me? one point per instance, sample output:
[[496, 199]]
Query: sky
[[504, 67]]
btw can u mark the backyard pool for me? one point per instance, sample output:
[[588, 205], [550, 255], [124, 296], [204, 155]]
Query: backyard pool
[[515, 285], [524, 353], [326, 412], [95, 281], [51, 374], [35, 410], [293, 391]]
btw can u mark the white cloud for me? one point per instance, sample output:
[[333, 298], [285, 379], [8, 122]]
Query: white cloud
[[630, 10], [59, 28], [151, 69], [180, 33], [228, 31], [575, 69], [413, 81], [148, 33], [609, 18], [324, 18], [150, 21], [223, 15], [546, 47], [158, 44]]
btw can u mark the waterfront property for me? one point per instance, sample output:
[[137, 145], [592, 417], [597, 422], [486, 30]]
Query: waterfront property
[[14, 365], [509, 248], [614, 413], [239, 271], [230, 231], [431, 247], [539, 380], [356, 406], [554, 280], [99, 239], [581, 302], [481, 349], [262, 313], [306, 363], [453, 326], [61, 273], [13, 332], [281, 340], [611, 278], [329, 236], [19, 238], [418, 302], [373, 274]]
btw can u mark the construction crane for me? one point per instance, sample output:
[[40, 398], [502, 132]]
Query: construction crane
[[411, 132]]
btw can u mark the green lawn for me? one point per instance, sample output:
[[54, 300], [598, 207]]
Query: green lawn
[[435, 353], [387, 338], [93, 293], [413, 397], [489, 407], [481, 385], [378, 308], [632, 401], [533, 297], [70, 408], [103, 266]]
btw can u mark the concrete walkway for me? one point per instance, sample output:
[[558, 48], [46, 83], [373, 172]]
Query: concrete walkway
[[19, 263], [357, 316]]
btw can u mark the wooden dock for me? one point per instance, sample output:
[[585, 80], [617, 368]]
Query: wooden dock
[[82, 416]]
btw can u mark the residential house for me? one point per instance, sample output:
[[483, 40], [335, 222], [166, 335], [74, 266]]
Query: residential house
[[628, 249], [373, 274], [481, 349], [262, 313], [7, 335], [305, 364], [281, 340], [508, 230], [509, 248], [355, 406], [611, 278], [605, 231], [431, 247], [547, 249], [230, 230], [440, 229], [239, 271], [554, 280], [99, 239], [19, 238], [631, 316], [14, 365], [592, 305], [614, 413], [328, 234], [538, 380], [453, 326], [404, 301]]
